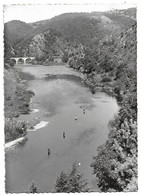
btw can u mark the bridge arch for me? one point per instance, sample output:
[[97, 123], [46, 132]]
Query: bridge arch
[[14, 60], [20, 61], [28, 60]]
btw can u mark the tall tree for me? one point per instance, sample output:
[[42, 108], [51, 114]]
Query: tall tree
[[71, 182]]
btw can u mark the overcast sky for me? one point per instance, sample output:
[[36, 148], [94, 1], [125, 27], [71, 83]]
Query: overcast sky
[[32, 13]]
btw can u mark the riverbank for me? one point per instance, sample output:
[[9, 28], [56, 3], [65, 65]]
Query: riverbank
[[14, 142], [16, 102], [106, 87], [100, 83]]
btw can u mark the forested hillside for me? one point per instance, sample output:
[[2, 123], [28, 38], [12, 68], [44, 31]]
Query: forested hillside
[[14, 31], [82, 28], [112, 62], [116, 163]]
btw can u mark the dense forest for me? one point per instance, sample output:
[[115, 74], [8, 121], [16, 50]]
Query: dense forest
[[103, 46]]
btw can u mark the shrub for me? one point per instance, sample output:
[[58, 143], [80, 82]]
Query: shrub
[[14, 129], [65, 58], [33, 189], [106, 79], [71, 182]]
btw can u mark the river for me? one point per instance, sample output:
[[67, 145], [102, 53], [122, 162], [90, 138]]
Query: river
[[60, 96]]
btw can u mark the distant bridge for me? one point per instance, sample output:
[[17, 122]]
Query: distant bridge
[[24, 59]]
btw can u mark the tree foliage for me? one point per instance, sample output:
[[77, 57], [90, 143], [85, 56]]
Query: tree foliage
[[71, 182], [33, 189], [14, 129], [116, 163]]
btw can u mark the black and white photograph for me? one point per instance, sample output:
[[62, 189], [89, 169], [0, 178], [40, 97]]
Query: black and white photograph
[[70, 97]]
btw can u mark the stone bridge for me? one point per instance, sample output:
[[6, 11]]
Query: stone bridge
[[22, 59]]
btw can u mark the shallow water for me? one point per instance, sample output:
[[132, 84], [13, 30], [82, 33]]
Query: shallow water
[[58, 99]]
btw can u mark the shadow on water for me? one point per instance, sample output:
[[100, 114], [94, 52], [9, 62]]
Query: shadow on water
[[84, 137], [49, 77], [26, 76], [64, 76]]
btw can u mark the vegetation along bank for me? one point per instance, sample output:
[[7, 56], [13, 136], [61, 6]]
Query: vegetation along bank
[[16, 102]]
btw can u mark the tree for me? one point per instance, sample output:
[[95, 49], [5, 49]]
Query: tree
[[116, 163], [33, 189], [71, 182], [65, 57]]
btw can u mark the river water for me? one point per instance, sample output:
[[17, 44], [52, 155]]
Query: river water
[[60, 96]]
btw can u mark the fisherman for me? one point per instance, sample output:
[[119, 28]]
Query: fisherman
[[83, 111], [64, 135], [48, 151], [76, 118]]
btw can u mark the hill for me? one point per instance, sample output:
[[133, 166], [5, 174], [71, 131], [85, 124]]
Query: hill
[[83, 28], [15, 31]]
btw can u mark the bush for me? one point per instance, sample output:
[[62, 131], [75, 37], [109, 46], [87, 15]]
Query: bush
[[33, 189], [71, 182], [106, 79], [14, 129], [65, 58]]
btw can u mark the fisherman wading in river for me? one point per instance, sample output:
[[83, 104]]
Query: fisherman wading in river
[[64, 135], [48, 151]]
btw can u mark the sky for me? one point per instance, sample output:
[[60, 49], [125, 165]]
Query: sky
[[36, 12]]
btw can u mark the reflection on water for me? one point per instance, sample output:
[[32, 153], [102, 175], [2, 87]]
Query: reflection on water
[[26, 76], [85, 137], [59, 99]]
